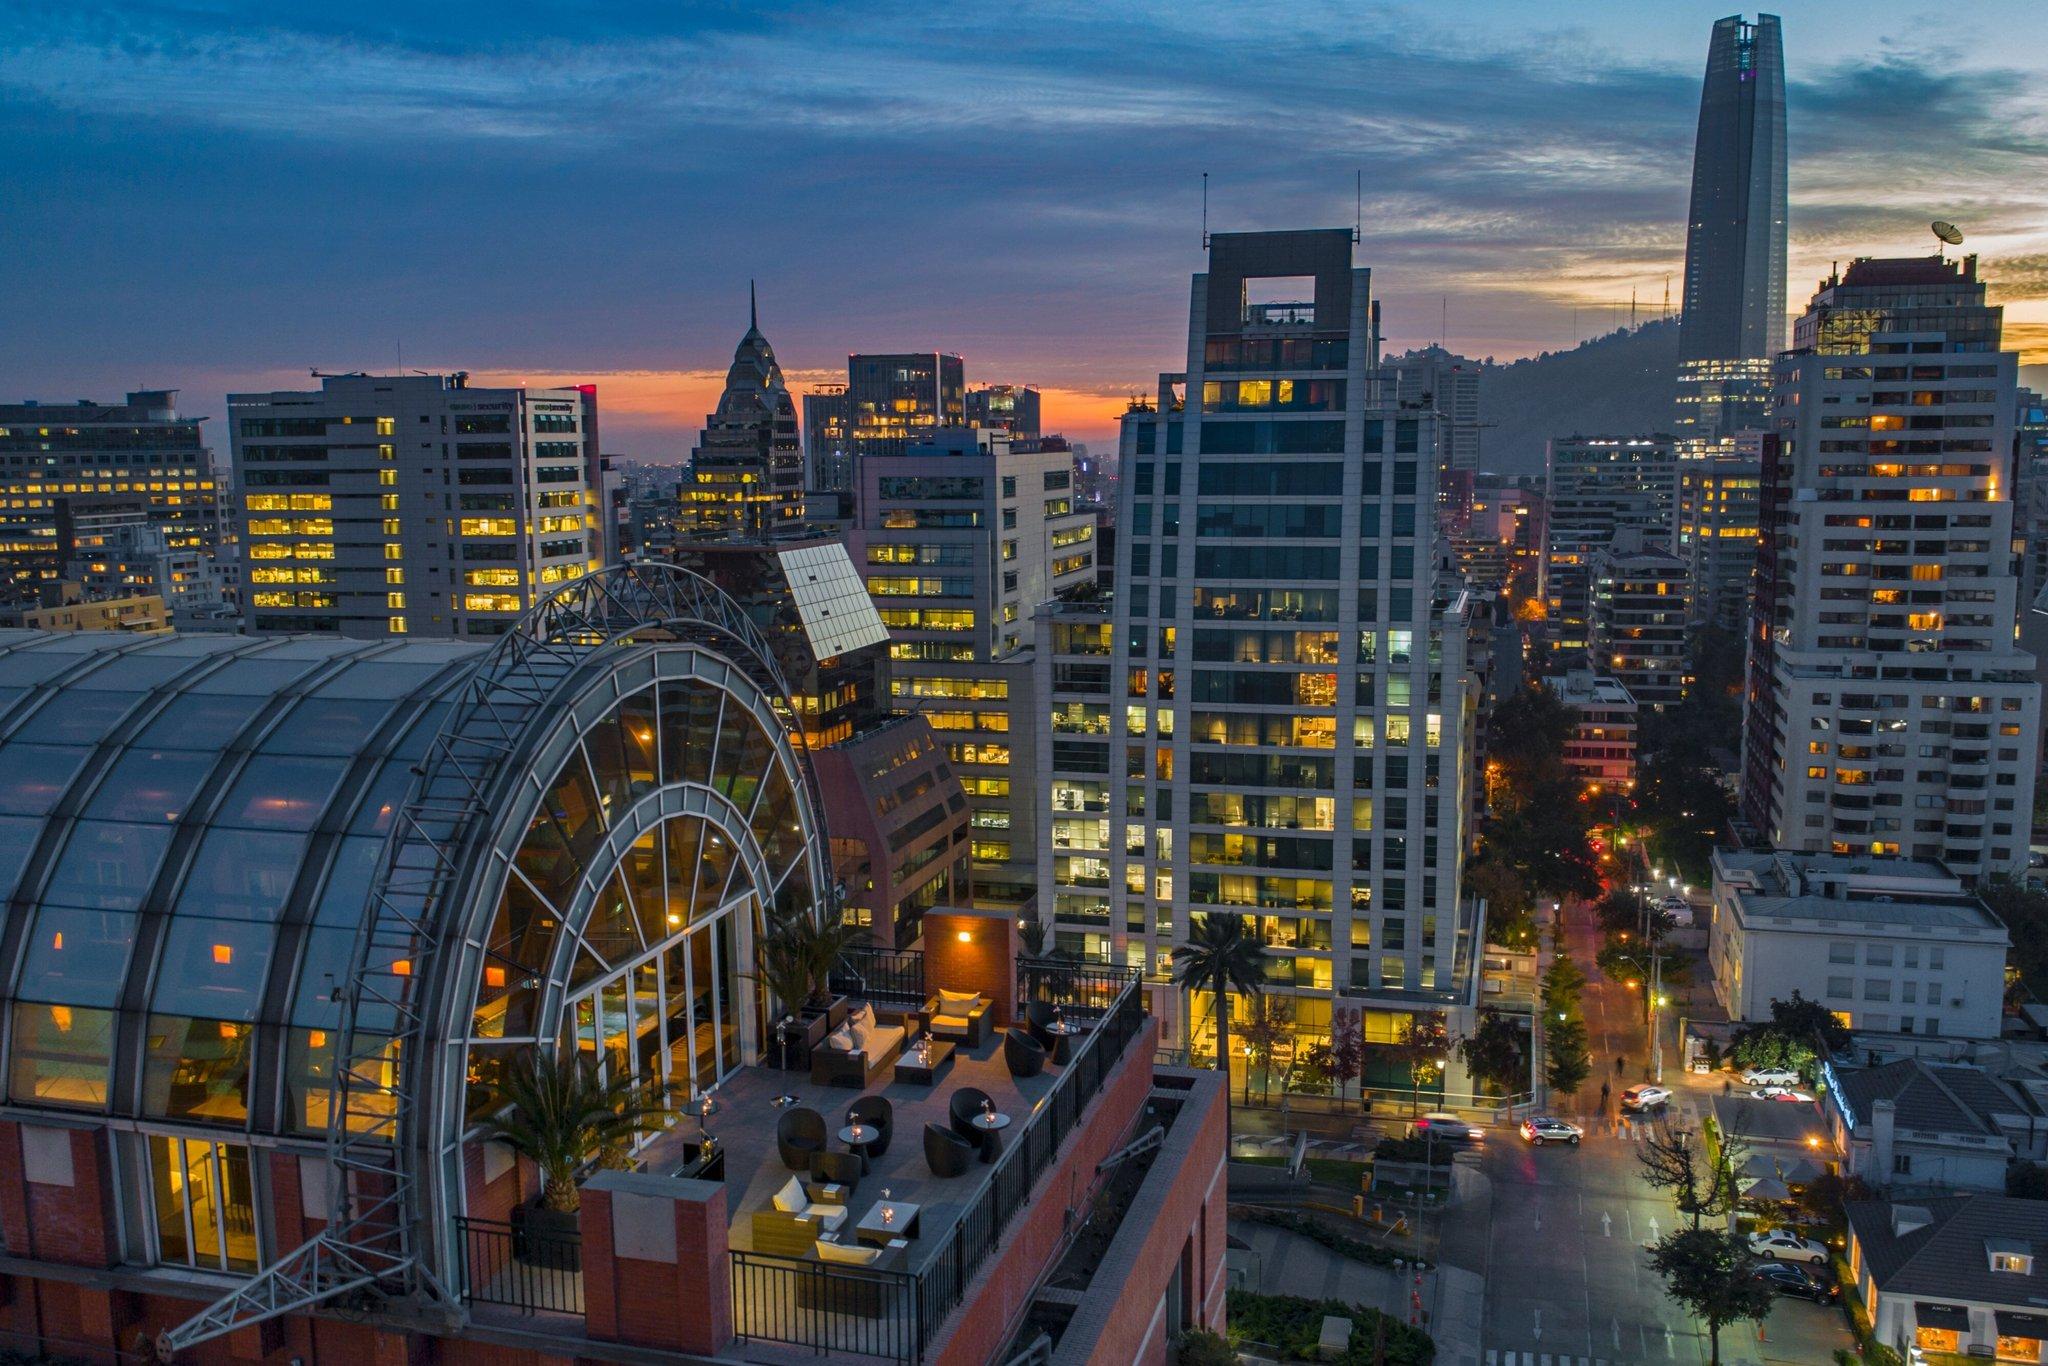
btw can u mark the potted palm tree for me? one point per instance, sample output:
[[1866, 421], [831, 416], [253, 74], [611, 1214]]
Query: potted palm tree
[[1221, 955], [560, 1114]]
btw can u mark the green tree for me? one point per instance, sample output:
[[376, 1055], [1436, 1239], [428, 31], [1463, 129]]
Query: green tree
[[1510, 918], [1566, 1061], [1220, 956], [1674, 1159], [1526, 737], [560, 1115], [2024, 909], [1708, 1271], [1269, 1023], [1423, 1045], [1494, 1054]]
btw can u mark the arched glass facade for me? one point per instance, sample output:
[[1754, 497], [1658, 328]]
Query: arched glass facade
[[192, 832]]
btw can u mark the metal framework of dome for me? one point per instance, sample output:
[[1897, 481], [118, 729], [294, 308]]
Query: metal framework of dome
[[380, 1141]]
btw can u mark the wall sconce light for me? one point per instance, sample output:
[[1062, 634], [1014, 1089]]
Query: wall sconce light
[[965, 936]]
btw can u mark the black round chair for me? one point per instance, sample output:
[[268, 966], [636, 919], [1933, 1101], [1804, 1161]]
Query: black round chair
[[1024, 1054], [967, 1102], [878, 1114], [1038, 1018], [799, 1134], [946, 1153]]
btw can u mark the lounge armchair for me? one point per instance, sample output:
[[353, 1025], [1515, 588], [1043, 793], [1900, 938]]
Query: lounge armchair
[[947, 1153], [1024, 1054], [792, 1222], [863, 1281], [862, 1048], [842, 1170], [961, 1016], [967, 1102], [1038, 1018], [799, 1136], [876, 1113]]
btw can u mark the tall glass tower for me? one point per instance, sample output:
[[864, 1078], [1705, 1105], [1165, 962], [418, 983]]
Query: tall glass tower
[[1734, 319]]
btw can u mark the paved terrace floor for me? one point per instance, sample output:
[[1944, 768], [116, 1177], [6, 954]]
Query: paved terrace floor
[[744, 1123]]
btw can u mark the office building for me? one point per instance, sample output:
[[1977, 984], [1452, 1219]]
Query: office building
[[70, 470], [1636, 618], [126, 555], [66, 606], [408, 504], [747, 471], [828, 440], [895, 401], [1602, 745], [213, 1017], [959, 540], [1734, 292], [1271, 718], [1011, 408], [1447, 385], [1887, 944], [1717, 531], [1595, 487], [1887, 710]]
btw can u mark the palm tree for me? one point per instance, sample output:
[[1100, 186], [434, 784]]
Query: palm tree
[[560, 1113], [1221, 955]]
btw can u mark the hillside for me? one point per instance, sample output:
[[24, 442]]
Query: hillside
[[1619, 384]]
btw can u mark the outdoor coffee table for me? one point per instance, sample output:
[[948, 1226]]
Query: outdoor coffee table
[[913, 1071], [876, 1231], [1064, 1032], [990, 1124]]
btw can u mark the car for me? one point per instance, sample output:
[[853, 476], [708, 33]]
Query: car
[[1645, 1097], [1784, 1245], [1542, 1129], [1798, 1281], [1785, 1093], [1445, 1128], [1770, 1076]]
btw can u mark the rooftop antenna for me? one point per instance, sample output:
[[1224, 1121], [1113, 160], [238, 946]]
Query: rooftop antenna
[[1631, 308], [1357, 205], [1945, 231], [753, 308], [1205, 211], [1443, 324], [1667, 296]]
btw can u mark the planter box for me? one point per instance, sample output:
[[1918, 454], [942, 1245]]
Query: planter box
[[547, 1238]]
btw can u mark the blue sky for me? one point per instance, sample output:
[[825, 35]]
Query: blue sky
[[216, 196]]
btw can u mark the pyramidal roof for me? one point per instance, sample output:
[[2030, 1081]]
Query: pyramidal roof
[[754, 385]]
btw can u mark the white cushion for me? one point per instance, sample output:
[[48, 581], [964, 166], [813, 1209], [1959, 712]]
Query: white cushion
[[858, 1034], [863, 1016], [848, 1254], [966, 1000], [790, 1199], [841, 1039], [829, 1217], [949, 1022]]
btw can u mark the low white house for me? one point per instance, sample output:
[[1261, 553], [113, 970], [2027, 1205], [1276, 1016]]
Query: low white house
[[1886, 944], [1963, 1275], [1939, 1127]]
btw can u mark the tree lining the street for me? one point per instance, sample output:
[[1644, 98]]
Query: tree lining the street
[[1793, 1038], [1675, 1157], [1566, 1062], [1709, 1271], [1495, 1052]]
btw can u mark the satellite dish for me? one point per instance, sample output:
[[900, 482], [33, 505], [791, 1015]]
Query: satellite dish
[[1948, 232]]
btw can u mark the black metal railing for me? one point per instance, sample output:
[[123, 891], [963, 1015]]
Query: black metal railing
[[524, 1269], [897, 1316], [889, 976], [830, 1309]]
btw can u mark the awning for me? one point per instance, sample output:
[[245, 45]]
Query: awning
[[2013, 1325], [1942, 1316]]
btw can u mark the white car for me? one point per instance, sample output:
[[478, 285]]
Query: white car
[[1787, 1246], [1770, 1076], [1785, 1093], [1645, 1097], [1542, 1129]]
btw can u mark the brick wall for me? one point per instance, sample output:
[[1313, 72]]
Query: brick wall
[[976, 1333], [985, 961], [67, 1216]]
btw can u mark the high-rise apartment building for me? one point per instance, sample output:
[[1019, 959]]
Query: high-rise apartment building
[[747, 472], [409, 504], [1271, 720], [1636, 618], [828, 440], [1888, 711], [1011, 408], [1717, 530], [1734, 292], [895, 401], [1448, 384], [71, 471], [1597, 486], [960, 539]]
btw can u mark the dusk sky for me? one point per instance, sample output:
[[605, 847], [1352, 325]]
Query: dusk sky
[[218, 196]]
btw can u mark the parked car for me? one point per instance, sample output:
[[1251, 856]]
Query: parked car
[[1542, 1129], [1645, 1097], [1781, 1093], [1784, 1245], [1770, 1076], [1799, 1281], [1445, 1128]]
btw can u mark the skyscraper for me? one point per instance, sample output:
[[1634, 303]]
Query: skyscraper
[[747, 473], [1888, 711], [1598, 486], [1734, 296], [1272, 721], [410, 504]]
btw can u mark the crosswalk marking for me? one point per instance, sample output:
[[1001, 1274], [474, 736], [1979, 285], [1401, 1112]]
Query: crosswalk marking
[[1497, 1357]]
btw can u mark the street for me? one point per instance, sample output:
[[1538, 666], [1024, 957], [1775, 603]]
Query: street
[[1558, 1233]]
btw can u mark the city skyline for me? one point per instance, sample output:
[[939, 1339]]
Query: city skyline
[[582, 218]]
